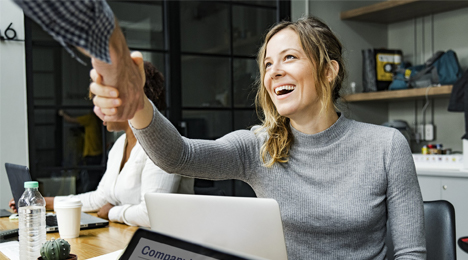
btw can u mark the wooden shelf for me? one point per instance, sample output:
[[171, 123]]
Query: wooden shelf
[[391, 11], [405, 94]]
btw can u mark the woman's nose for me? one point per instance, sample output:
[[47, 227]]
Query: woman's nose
[[276, 72]]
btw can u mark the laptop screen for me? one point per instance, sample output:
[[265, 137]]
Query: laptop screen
[[147, 244], [249, 225], [17, 175]]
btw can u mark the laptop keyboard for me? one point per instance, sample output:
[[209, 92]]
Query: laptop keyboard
[[51, 220]]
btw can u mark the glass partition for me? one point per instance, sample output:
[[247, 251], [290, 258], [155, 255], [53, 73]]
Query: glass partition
[[246, 75], [141, 23], [203, 124], [249, 27], [206, 81], [204, 27]]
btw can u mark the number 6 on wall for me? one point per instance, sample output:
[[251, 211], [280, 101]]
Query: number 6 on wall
[[10, 33]]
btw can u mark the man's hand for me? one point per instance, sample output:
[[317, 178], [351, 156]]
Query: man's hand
[[104, 211], [106, 100], [121, 103]]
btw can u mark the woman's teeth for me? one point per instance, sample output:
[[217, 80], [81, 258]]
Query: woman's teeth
[[284, 89]]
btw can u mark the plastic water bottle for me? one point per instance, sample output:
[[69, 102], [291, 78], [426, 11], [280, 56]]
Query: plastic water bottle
[[32, 227]]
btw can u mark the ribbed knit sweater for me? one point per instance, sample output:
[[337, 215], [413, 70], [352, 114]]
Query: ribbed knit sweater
[[335, 193]]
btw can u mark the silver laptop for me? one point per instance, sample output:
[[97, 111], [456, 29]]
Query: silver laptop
[[247, 225], [18, 174]]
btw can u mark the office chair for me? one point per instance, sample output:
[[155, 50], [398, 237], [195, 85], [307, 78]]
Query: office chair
[[439, 218], [206, 187], [463, 243]]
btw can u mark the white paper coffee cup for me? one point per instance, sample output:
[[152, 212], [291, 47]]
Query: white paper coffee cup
[[68, 217]]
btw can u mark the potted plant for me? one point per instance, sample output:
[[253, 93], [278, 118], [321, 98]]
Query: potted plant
[[56, 250]]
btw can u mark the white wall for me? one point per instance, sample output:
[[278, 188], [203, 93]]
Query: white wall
[[13, 108]]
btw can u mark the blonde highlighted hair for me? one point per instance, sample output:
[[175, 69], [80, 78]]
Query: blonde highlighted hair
[[321, 47]]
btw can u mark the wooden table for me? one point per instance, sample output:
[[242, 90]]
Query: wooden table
[[91, 242]]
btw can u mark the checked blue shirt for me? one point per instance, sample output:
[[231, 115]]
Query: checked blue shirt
[[82, 23]]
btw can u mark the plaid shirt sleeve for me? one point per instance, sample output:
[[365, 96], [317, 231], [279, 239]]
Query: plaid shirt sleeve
[[82, 23]]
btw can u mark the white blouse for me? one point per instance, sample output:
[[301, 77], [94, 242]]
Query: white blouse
[[126, 189]]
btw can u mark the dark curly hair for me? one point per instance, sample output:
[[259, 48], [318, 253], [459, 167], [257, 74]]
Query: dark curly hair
[[154, 86]]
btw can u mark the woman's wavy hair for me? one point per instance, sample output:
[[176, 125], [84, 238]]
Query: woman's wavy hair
[[321, 47]]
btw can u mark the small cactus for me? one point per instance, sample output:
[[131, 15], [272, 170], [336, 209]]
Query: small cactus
[[55, 249]]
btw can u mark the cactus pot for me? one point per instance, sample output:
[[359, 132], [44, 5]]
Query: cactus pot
[[70, 257]]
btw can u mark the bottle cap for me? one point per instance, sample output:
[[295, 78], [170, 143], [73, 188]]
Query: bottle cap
[[31, 184]]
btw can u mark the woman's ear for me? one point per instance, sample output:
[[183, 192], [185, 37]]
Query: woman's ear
[[333, 69]]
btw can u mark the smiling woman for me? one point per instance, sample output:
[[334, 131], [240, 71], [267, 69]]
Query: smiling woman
[[338, 182], [302, 70]]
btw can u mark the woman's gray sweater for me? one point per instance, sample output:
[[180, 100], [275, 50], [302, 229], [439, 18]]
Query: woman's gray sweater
[[335, 194]]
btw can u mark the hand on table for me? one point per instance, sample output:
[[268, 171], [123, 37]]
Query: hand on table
[[49, 203], [104, 211]]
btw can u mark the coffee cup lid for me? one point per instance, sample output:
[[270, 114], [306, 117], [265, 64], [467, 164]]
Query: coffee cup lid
[[68, 203]]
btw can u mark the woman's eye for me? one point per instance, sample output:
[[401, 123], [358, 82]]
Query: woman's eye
[[289, 57], [268, 64]]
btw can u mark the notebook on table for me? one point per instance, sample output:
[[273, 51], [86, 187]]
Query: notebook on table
[[18, 174], [147, 244], [251, 226]]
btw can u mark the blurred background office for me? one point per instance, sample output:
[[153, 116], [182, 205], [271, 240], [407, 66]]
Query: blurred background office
[[206, 50]]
